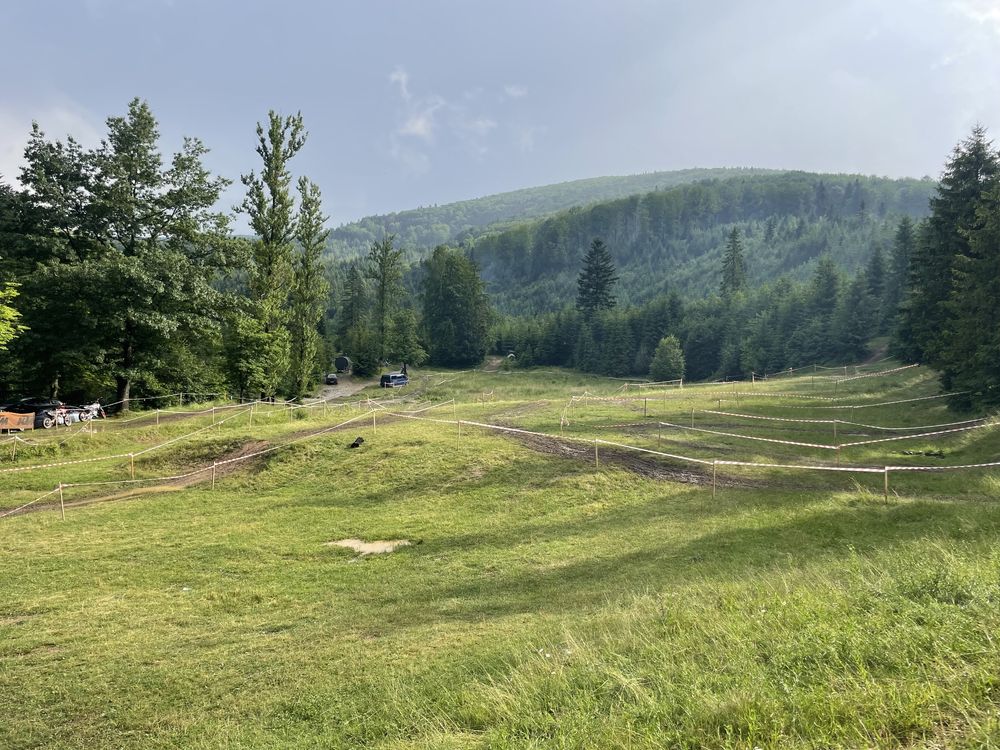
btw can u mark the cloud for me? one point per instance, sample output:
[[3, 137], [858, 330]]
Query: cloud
[[426, 121], [514, 91], [983, 12], [57, 120], [402, 78]]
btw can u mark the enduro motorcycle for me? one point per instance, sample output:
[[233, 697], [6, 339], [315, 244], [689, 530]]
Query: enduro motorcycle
[[92, 411]]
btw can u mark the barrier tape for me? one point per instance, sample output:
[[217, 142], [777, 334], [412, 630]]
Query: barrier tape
[[878, 374], [842, 421]]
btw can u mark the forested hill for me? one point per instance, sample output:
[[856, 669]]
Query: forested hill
[[673, 239], [421, 229]]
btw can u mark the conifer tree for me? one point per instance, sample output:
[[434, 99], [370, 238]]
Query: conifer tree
[[734, 274], [385, 268], [668, 360], [954, 216], [596, 281]]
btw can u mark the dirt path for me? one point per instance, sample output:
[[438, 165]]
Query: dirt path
[[492, 364], [348, 386]]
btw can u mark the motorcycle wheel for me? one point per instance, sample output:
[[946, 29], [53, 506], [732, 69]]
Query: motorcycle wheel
[[86, 416], [48, 422]]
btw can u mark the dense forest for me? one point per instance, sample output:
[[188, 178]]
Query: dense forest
[[672, 240], [420, 230], [119, 277]]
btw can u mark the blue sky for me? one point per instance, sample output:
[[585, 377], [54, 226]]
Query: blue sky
[[429, 101]]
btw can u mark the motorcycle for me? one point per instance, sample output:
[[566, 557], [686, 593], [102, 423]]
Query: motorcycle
[[92, 411]]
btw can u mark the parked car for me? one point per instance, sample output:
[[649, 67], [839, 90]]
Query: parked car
[[331, 378], [48, 411], [394, 380]]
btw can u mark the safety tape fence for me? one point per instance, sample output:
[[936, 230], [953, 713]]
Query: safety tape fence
[[175, 477], [885, 470], [95, 459], [878, 374], [881, 403], [840, 421], [825, 446]]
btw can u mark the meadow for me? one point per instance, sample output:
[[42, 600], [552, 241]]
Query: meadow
[[557, 591]]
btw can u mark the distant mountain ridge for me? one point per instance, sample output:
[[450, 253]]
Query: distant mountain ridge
[[420, 229]]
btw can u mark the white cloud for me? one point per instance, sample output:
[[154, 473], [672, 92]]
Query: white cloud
[[402, 78], [514, 91], [56, 120], [983, 12]]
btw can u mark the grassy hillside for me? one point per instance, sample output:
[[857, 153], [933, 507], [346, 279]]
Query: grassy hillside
[[674, 239], [424, 228], [545, 601]]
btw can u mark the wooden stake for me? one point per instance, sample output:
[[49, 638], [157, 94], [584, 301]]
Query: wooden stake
[[597, 460], [714, 468], [373, 422], [885, 488], [692, 416], [213, 474], [659, 429], [13, 456], [835, 429], [251, 413], [131, 465], [213, 415], [644, 408], [157, 418], [62, 507]]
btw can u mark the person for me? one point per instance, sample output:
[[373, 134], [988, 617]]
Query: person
[[404, 370]]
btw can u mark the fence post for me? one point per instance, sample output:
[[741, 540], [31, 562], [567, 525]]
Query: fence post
[[13, 456], [251, 412], [373, 422], [644, 407], [131, 465], [714, 470], [62, 506], [885, 488], [157, 418], [214, 463], [213, 414], [597, 460]]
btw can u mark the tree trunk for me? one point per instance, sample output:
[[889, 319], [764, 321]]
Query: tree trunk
[[124, 386], [124, 381]]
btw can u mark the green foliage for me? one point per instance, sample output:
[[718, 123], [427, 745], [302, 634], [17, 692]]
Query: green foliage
[[118, 254], [421, 229], [596, 281], [668, 360], [675, 238], [456, 309], [10, 326], [310, 290], [404, 342], [384, 268], [734, 272]]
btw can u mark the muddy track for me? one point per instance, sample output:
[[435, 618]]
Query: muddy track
[[645, 466]]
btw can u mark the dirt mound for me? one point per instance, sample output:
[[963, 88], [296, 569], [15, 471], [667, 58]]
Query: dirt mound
[[364, 548]]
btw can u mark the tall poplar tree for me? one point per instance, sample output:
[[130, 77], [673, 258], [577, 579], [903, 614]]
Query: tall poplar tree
[[309, 288], [596, 281], [270, 206]]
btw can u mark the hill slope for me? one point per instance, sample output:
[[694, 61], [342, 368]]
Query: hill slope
[[424, 228], [673, 239]]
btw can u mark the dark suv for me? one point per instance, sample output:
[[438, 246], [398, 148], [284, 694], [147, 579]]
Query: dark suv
[[394, 380]]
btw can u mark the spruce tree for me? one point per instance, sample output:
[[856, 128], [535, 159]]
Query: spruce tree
[[927, 310], [596, 281], [385, 268], [734, 273]]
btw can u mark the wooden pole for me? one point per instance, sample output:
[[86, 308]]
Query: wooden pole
[[597, 460], [659, 429], [373, 422], [62, 506], [644, 408], [692, 416], [213, 415], [214, 463], [131, 465], [835, 429], [714, 469], [885, 486], [251, 412], [13, 455], [157, 418]]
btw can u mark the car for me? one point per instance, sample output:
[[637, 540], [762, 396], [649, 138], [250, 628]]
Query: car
[[331, 378], [47, 411], [394, 380]]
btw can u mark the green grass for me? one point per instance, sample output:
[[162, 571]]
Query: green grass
[[548, 603]]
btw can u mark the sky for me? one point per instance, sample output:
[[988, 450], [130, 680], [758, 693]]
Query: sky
[[420, 102]]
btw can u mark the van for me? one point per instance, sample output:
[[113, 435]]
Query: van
[[394, 380]]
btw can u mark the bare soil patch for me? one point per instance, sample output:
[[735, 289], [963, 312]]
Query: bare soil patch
[[645, 466], [363, 548]]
